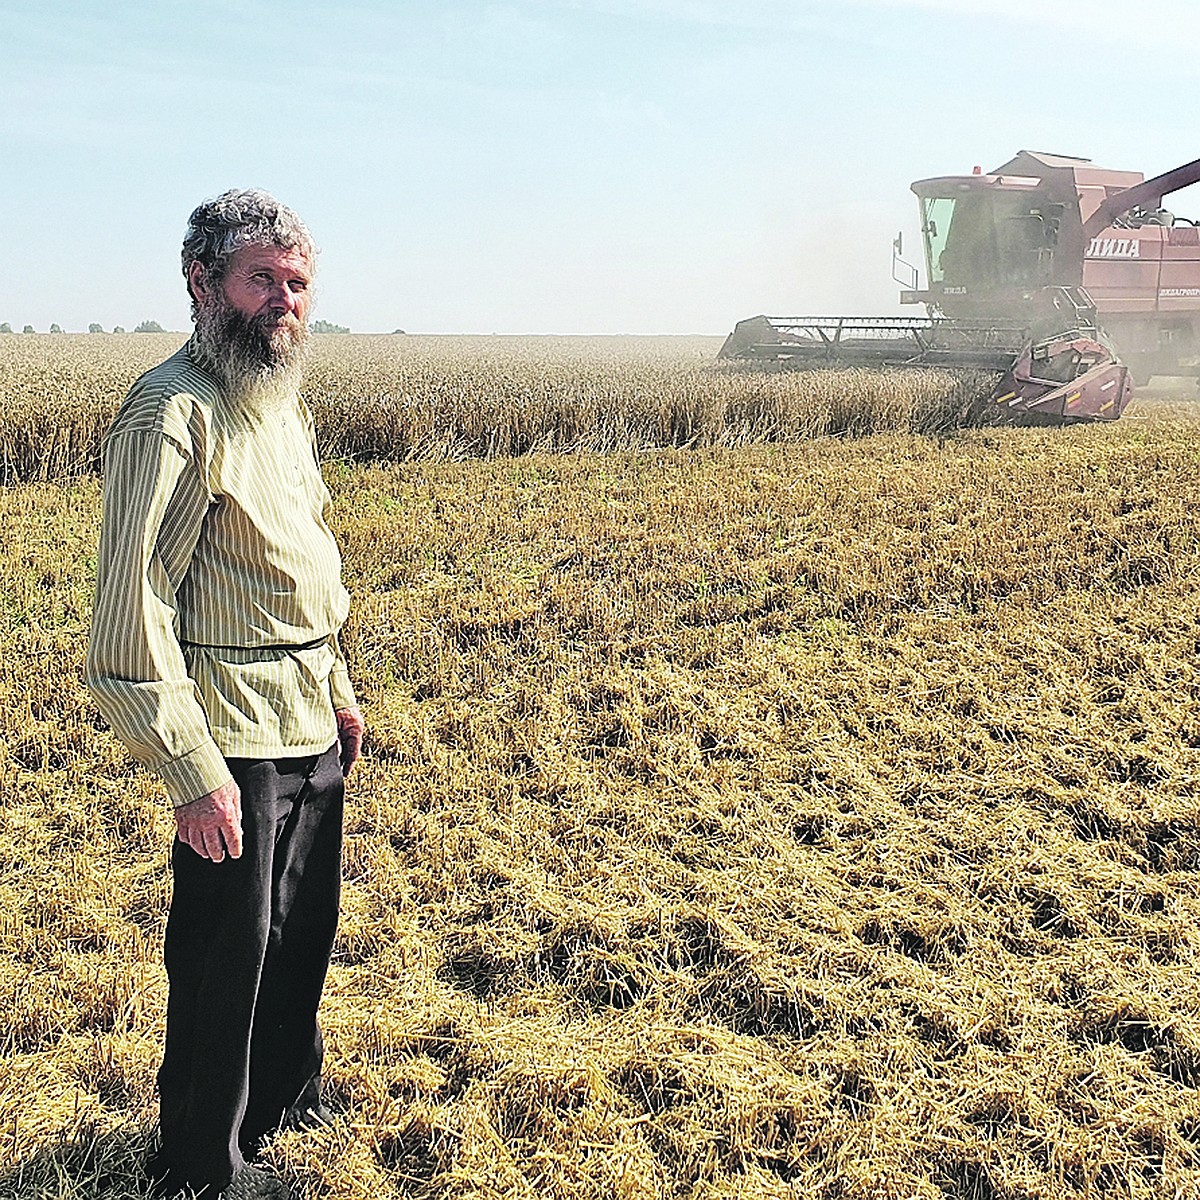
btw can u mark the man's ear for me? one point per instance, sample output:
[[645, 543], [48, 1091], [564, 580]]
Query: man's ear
[[197, 281]]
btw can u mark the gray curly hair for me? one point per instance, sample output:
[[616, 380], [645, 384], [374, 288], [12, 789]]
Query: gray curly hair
[[240, 217]]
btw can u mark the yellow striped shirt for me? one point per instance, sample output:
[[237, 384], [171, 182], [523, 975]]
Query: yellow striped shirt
[[218, 588]]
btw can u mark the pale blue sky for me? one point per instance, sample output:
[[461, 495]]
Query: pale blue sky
[[658, 166]]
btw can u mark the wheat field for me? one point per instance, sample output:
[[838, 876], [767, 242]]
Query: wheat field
[[801, 816], [432, 398]]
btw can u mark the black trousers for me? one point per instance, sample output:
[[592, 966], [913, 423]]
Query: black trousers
[[247, 948]]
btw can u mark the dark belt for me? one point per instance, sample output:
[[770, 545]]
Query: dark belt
[[278, 646]]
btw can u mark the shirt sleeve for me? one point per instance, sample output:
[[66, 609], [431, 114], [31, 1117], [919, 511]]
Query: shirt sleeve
[[154, 506], [341, 690]]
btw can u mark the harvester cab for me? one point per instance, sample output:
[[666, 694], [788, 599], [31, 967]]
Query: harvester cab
[[1036, 271], [994, 245]]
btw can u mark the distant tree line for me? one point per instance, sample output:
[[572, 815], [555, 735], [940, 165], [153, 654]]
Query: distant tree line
[[94, 327]]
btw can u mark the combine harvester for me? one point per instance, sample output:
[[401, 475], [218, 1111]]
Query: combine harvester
[[1042, 272]]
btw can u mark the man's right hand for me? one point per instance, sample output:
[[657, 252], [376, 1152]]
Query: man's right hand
[[212, 825]]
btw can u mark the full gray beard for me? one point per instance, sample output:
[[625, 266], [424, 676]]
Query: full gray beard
[[260, 365]]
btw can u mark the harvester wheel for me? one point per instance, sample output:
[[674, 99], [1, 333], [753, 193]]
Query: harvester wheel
[[1141, 369]]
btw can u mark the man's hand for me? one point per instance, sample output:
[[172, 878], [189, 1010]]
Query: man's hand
[[212, 825], [351, 728]]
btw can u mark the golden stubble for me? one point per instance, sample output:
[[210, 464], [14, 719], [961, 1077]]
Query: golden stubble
[[808, 819]]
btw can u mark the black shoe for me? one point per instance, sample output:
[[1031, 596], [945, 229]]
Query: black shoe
[[250, 1183], [253, 1183]]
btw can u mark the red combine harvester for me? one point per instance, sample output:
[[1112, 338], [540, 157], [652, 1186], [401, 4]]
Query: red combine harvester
[[1065, 279]]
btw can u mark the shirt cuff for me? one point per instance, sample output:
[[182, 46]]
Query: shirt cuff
[[341, 691], [194, 774]]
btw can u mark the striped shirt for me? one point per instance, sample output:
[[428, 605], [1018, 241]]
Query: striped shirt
[[218, 587]]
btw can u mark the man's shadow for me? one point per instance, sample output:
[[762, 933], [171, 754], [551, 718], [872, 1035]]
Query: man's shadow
[[86, 1162]]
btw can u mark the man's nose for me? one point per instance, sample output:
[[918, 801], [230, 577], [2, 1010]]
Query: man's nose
[[283, 298]]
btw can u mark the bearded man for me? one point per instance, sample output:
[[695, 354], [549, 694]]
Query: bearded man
[[214, 656]]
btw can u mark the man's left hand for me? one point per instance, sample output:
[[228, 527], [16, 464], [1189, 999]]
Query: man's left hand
[[351, 728]]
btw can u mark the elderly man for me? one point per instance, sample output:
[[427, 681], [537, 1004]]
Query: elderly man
[[214, 655]]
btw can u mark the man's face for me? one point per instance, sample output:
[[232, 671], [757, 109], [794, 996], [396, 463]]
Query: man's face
[[269, 283], [255, 318]]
